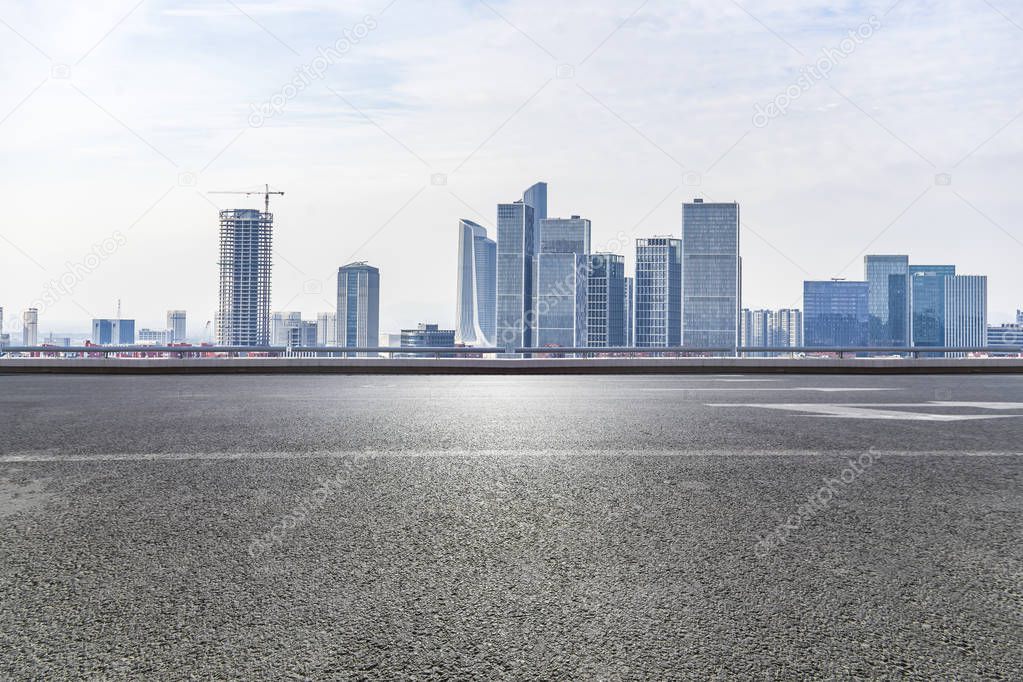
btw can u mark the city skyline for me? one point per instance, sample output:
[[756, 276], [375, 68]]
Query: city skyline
[[485, 109]]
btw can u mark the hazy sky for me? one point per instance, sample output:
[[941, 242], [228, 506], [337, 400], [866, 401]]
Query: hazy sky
[[117, 116]]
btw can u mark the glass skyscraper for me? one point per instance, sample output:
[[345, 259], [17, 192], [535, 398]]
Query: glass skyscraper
[[965, 311], [712, 275], [927, 303], [607, 303], [836, 313], [476, 312], [517, 225], [561, 282], [658, 295], [358, 305], [887, 329], [243, 316]]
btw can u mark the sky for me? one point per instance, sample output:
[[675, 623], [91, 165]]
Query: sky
[[385, 122]]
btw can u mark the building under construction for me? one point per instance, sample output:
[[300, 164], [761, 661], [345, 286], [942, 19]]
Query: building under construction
[[243, 318]]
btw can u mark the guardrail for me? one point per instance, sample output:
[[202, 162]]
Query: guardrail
[[440, 351]]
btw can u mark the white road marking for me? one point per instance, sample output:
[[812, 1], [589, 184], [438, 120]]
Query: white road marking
[[868, 411], [774, 388]]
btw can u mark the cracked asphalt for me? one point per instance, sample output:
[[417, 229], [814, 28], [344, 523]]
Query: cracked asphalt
[[359, 527]]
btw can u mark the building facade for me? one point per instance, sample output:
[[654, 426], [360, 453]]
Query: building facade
[[606, 302], [155, 337], [30, 327], [326, 329], [927, 303], [886, 328], [476, 309], [561, 283], [630, 317], [176, 323], [517, 225], [246, 242], [712, 275], [281, 325], [965, 312], [111, 332], [836, 314], [358, 305], [427, 336], [658, 295]]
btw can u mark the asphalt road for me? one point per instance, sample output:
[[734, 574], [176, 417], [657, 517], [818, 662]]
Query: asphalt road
[[688, 527]]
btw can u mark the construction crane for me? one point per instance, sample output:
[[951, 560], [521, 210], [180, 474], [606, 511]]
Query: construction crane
[[265, 192]]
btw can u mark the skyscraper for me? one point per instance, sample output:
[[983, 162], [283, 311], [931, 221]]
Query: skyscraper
[[326, 329], [358, 305], [30, 327], [561, 280], [927, 303], [630, 306], [243, 317], [836, 313], [712, 275], [786, 328], [476, 312], [517, 224], [965, 312], [282, 326], [176, 323], [606, 302], [658, 295], [878, 271]]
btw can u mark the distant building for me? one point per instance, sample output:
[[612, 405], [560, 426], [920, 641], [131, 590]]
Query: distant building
[[427, 336], [561, 283], [176, 323], [517, 226], [772, 328], [630, 322], [886, 329], [326, 329], [358, 305], [303, 335], [712, 275], [282, 324], [243, 315], [755, 329], [155, 337], [965, 312], [390, 340], [606, 302], [1006, 336], [836, 314], [476, 309], [111, 332], [658, 295], [927, 303], [30, 327]]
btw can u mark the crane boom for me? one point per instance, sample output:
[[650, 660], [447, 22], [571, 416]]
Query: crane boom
[[265, 192]]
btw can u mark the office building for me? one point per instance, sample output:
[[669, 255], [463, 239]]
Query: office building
[[243, 316], [155, 337], [358, 305], [927, 303], [658, 292], [561, 283], [517, 225], [281, 326], [476, 310], [965, 312], [303, 335], [606, 302], [712, 275], [1007, 336], [110, 332], [630, 322], [326, 329], [176, 323], [836, 314], [30, 327], [886, 328], [427, 336]]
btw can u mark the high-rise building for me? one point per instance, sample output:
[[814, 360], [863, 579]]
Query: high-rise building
[[243, 317], [326, 329], [965, 312], [30, 327], [927, 303], [476, 312], [282, 326], [517, 225], [786, 328], [176, 323], [112, 332], [887, 329], [658, 294], [303, 335], [836, 314], [712, 275], [630, 306], [358, 305], [606, 302], [561, 280]]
